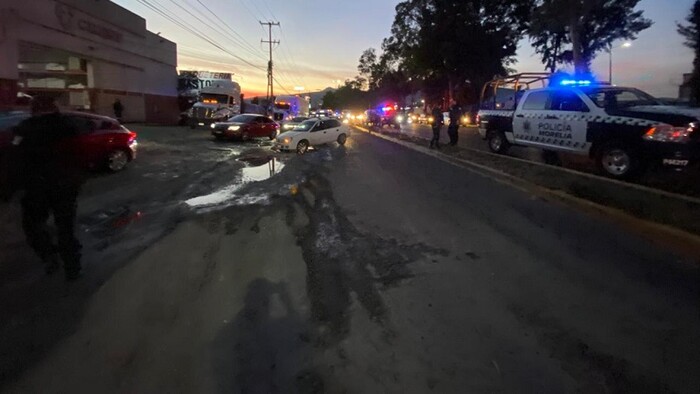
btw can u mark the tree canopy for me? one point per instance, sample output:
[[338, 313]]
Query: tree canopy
[[573, 31], [691, 34], [455, 45]]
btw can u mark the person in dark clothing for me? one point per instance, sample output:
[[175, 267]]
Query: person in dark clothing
[[51, 176], [118, 109], [455, 119], [437, 126]]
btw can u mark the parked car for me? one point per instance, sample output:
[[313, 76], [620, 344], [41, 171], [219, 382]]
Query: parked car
[[101, 141], [245, 127], [312, 132]]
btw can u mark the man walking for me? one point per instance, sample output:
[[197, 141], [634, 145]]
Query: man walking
[[437, 125], [455, 118], [118, 109], [51, 176]]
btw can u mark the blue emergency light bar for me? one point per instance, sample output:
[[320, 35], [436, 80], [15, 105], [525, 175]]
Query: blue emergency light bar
[[574, 82]]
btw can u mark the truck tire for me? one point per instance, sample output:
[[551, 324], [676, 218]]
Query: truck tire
[[618, 160], [497, 142]]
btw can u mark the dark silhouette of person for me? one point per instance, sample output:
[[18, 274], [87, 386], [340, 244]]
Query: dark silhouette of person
[[455, 119], [437, 126], [51, 175], [118, 109]]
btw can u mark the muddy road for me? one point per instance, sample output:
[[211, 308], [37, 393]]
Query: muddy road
[[226, 267]]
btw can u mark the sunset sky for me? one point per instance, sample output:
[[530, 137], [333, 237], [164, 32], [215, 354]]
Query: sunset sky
[[321, 41]]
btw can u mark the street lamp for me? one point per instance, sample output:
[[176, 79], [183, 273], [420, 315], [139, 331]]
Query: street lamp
[[610, 64]]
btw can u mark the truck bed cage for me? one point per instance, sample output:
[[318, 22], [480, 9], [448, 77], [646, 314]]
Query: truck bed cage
[[515, 83]]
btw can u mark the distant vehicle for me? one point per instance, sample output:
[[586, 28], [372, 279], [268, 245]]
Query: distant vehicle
[[292, 123], [217, 103], [245, 127], [312, 132], [101, 141], [623, 129], [325, 113], [288, 107]]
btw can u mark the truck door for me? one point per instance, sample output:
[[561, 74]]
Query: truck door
[[569, 132], [531, 112]]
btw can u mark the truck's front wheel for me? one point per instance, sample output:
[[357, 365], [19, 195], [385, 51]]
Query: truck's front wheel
[[498, 142], [618, 161]]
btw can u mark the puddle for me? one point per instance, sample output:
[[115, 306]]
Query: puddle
[[261, 171], [258, 169]]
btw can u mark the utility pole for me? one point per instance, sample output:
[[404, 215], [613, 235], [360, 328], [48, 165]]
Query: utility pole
[[270, 78]]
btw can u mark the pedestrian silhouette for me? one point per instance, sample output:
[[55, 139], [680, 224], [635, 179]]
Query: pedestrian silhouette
[[118, 109], [437, 126], [48, 169]]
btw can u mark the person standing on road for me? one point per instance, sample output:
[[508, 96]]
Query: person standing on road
[[48, 169], [118, 108], [455, 118], [437, 126]]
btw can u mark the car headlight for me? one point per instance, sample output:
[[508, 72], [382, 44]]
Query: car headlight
[[665, 133], [213, 125], [234, 128], [285, 140], [288, 126], [431, 119], [399, 118]]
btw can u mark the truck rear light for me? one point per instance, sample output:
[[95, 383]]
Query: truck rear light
[[666, 133]]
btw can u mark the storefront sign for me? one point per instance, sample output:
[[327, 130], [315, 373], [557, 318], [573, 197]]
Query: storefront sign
[[196, 80], [101, 31], [68, 21]]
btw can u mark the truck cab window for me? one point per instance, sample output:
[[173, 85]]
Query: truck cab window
[[566, 100], [536, 101]]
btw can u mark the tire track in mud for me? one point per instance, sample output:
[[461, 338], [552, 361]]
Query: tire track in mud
[[341, 260]]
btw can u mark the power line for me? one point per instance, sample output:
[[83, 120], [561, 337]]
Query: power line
[[241, 38], [194, 31], [206, 24]]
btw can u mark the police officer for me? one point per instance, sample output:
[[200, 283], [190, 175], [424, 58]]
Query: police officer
[[118, 108], [437, 126], [51, 176], [455, 118]]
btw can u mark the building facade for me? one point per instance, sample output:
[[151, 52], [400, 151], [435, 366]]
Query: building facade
[[86, 54]]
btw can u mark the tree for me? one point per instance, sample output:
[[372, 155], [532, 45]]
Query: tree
[[455, 45], [691, 33], [583, 27]]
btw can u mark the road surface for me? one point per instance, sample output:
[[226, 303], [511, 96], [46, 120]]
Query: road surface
[[368, 268]]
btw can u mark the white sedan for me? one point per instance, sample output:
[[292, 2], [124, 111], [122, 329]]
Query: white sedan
[[312, 132]]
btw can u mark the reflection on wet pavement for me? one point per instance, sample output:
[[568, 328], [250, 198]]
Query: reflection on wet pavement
[[259, 168]]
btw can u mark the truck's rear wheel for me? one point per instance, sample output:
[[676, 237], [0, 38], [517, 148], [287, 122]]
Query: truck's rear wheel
[[497, 142]]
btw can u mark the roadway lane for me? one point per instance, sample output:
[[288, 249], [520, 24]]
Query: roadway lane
[[374, 268], [469, 138]]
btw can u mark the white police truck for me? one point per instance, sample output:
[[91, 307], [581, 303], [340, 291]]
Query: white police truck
[[623, 129]]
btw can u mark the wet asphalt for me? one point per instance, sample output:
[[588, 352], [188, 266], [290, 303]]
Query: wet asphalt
[[226, 267]]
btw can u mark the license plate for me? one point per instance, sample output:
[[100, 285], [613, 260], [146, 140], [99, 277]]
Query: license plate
[[675, 162]]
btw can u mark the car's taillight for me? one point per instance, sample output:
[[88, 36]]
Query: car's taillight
[[132, 136], [665, 133]]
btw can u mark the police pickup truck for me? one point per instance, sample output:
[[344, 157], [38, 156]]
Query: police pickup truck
[[624, 130]]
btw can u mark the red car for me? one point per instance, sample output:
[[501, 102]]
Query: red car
[[101, 140], [245, 127]]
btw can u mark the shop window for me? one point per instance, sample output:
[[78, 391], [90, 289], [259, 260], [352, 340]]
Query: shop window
[[53, 72]]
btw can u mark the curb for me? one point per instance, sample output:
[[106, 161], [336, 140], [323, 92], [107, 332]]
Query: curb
[[681, 241]]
